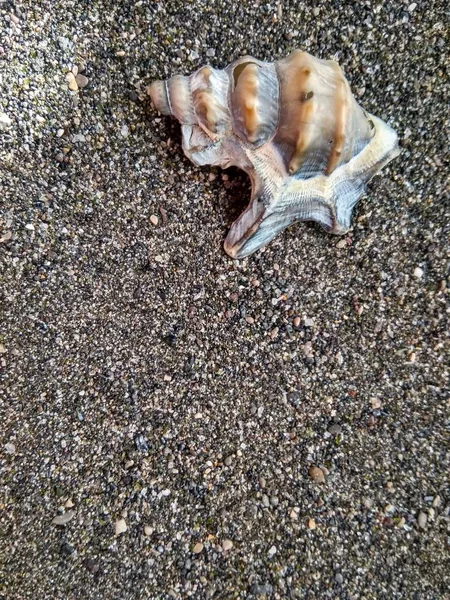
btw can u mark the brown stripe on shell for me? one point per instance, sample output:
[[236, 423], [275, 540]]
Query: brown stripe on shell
[[245, 94], [341, 115]]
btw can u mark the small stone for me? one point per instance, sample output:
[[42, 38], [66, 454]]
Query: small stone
[[81, 80], [71, 82], [60, 133], [227, 545], [92, 566], [2, 349], [120, 53], [339, 578], [418, 272], [296, 322], [376, 403], [422, 520], [154, 220], [412, 7], [401, 522], [437, 502], [197, 548], [124, 131], [148, 530], [6, 237], [274, 333], [120, 527], [64, 518], [193, 56], [29, 226], [228, 461], [5, 121], [311, 524], [341, 243], [68, 503], [9, 447], [308, 322], [316, 474], [272, 551], [67, 549], [250, 320], [255, 282], [335, 429], [210, 52]]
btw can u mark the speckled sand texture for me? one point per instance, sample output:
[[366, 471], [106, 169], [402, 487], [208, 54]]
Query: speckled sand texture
[[178, 425]]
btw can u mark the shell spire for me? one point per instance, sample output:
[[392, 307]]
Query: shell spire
[[293, 126]]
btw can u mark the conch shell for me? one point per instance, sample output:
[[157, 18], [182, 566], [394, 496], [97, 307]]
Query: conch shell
[[293, 126]]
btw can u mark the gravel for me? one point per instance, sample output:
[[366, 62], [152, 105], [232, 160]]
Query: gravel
[[171, 400]]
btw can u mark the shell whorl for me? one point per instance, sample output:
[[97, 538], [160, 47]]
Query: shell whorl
[[293, 126]]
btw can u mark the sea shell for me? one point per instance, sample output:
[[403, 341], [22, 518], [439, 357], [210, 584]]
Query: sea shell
[[293, 126]]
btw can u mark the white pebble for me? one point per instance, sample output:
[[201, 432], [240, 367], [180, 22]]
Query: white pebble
[[418, 272], [227, 545], [5, 121], [120, 527], [422, 520], [272, 551]]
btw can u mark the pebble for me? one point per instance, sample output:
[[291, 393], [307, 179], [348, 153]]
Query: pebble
[[9, 447], [120, 526], [193, 56], [5, 121], [296, 322], [154, 220], [227, 545], [6, 237], [81, 80], [210, 52], [418, 272], [71, 81], [124, 131], [250, 320], [311, 524], [64, 518], [228, 461], [91, 565], [341, 243], [148, 530], [69, 503], [272, 551], [339, 579], [422, 520], [197, 548], [316, 474], [335, 429], [376, 403], [308, 322]]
